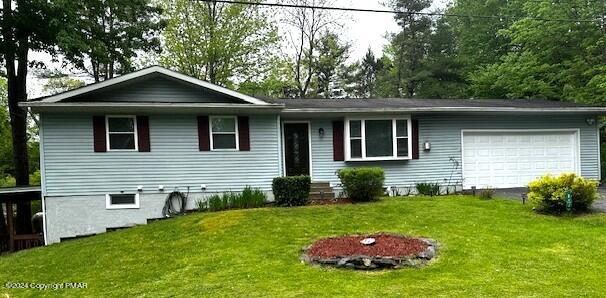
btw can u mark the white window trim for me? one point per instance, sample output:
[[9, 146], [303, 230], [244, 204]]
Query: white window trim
[[107, 132], [394, 139], [210, 130], [109, 205]]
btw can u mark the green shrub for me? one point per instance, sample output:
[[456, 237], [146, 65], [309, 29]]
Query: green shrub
[[249, 198], [428, 189], [291, 191], [486, 194], [362, 184], [548, 193]]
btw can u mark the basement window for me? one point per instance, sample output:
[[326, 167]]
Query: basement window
[[376, 139], [122, 201]]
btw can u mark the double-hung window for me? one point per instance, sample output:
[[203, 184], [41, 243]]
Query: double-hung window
[[224, 133], [121, 133], [378, 139]]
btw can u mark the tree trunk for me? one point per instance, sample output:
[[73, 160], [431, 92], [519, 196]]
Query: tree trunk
[[17, 52]]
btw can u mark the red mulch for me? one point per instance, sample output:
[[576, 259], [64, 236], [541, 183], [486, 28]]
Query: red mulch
[[385, 246]]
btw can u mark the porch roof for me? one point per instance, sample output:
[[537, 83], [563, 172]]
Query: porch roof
[[14, 194]]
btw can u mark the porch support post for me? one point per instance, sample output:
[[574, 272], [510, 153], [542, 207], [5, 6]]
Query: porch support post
[[11, 228]]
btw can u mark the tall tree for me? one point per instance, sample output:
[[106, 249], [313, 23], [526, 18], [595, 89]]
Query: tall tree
[[367, 77], [557, 60], [332, 54], [217, 42], [306, 25], [26, 25], [444, 75], [411, 44], [103, 36]]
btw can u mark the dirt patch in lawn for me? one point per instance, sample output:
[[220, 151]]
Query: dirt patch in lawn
[[381, 251], [330, 202]]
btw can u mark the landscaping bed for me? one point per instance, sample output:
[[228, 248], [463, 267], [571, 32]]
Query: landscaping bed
[[382, 251]]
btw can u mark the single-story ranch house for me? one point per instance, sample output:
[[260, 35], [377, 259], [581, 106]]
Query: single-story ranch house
[[112, 151]]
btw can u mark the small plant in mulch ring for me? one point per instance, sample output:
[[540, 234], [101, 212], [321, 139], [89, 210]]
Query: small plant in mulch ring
[[388, 251]]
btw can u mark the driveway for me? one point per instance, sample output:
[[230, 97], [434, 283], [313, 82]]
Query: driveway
[[516, 194]]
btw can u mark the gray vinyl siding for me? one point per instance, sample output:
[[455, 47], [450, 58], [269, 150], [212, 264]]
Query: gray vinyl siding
[[156, 88], [444, 134], [72, 168]]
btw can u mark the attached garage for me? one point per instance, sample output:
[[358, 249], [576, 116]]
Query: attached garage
[[507, 158]]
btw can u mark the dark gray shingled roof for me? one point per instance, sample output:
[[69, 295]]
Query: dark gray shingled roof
[[422, 103]]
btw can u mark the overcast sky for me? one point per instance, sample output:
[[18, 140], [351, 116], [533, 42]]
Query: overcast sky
[[361, 29]]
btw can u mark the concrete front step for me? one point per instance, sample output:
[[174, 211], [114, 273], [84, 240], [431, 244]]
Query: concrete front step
[[321, 191], [322, 195]]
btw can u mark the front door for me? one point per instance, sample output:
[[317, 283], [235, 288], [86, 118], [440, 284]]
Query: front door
[[296, 149]]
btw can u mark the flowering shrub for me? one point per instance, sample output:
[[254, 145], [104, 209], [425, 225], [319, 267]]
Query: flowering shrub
[[548, 193]]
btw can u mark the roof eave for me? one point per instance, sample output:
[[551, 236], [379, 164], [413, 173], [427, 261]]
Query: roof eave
[[580, 110], [126, 107]]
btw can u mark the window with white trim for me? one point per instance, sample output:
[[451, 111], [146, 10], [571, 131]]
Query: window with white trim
[[121, 133], [122, 201], [378, 139], [224, 133]]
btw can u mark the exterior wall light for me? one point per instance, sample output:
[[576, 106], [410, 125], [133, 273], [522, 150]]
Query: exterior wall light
[[321, 132], [427, 146], [590, 121]]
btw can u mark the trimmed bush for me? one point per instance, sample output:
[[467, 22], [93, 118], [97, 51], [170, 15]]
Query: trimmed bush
[[548, 193], [249, 198], [428, 189], [291, 191], [362, 184]]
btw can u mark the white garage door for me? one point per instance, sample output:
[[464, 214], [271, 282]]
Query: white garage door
[[503, 159]]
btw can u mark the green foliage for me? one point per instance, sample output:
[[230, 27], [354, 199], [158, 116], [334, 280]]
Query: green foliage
[[428, 189], [217, 42], [247, 199], [60, 84], [362, 184], [291, 191], [332, 54], [102, 37], [486, 193], [548, 194]]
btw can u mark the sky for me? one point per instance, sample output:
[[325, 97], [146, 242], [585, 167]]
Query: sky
[[361, 29]]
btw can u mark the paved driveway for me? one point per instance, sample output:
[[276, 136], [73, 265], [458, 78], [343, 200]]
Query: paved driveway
[[516, 194]]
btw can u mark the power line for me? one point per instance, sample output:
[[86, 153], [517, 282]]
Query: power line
[[498, 17]]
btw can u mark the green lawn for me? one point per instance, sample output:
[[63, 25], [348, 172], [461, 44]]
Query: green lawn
[[488, 248]]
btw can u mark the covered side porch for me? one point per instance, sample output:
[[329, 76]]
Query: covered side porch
[[14, 237]]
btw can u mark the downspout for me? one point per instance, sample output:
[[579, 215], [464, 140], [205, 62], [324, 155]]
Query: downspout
[[279, 130], [43, 179]]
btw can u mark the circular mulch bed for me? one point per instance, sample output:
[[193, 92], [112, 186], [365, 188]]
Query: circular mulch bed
[[389, 251]]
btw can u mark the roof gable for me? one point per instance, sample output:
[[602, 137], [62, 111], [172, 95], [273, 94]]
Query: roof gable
[[154, 85]]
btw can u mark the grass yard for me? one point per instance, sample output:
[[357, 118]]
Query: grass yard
[[489, 248]]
